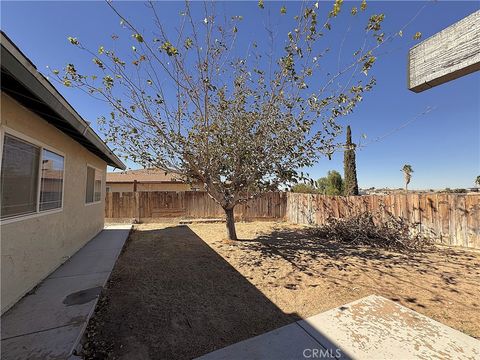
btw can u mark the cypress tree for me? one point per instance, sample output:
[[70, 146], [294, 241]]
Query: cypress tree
[[349, 166]]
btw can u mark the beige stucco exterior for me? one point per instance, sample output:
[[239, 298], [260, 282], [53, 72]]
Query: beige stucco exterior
[[164, 186], [33, 246]]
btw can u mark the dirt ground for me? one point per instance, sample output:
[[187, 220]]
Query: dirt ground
[[179, 292]]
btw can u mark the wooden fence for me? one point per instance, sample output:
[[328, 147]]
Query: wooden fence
[[453, 219], [145, 206]]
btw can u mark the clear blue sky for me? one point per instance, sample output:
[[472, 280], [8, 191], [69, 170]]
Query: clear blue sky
[[443, 146]]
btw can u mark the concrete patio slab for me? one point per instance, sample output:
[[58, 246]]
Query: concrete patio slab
[[377, 328], [370, 328], [49, 322], [287, 342]]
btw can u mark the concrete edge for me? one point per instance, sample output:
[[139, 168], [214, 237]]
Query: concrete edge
[[77, 346]]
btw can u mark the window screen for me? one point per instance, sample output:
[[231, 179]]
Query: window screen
[[90, 184], [19, 177], [98, 185], [51, 189]]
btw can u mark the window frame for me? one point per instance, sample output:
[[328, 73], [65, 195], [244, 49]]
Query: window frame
[[88, 165], [40, 179], [4, 130]]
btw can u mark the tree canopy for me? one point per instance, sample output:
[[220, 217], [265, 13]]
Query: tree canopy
[[303, 188], [332, 184], [240, 121]]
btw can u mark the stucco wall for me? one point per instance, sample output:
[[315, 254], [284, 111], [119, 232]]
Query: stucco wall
[[34, 246]]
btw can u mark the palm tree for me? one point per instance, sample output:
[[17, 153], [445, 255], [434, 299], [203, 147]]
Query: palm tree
[[407, 175], [477, 181]]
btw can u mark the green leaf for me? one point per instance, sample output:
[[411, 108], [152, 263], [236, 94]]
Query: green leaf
[[138, 37], [73, 40], [169, 49], [283, 10], [188, 43], [337, 6], [417, 35], [101, 50], [260, 4], [108, 81], [56, 72], [363, 6], [98, 63], [116, 60], [375, 22]]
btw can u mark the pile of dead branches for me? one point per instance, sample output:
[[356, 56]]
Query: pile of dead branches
[[378, 230]]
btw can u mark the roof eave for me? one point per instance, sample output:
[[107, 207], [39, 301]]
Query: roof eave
[[25, 73]]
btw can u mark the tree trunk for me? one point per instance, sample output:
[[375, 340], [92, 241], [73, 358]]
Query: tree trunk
[[232, 234]]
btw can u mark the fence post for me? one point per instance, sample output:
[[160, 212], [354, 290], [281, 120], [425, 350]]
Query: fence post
[[137, 203]]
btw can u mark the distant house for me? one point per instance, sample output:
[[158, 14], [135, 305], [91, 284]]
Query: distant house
[[148, 180], [53, 169]]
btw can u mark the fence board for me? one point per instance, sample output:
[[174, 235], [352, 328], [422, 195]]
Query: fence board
[[453, 218], [188, 204]]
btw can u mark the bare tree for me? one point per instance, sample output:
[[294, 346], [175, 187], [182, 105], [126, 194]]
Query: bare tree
[[242, 123]]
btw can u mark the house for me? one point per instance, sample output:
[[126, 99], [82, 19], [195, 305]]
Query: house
[[53, 168], [148, 180]]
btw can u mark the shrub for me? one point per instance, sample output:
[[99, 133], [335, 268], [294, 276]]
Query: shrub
[[372, 229]]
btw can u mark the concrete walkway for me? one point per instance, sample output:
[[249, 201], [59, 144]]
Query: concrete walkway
[[49, 323], [369, 328]]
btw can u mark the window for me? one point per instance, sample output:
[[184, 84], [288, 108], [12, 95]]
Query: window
[[94, 185], [20, 178], [52, 181], [98, 185]]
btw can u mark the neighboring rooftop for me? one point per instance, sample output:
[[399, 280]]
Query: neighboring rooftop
[[22, 81], [150, 175]]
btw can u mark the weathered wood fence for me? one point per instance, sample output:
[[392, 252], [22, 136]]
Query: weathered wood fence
[[453, 218], [145, 206]]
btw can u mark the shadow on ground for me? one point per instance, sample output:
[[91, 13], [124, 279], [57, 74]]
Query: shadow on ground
[[171, 296], [301, 247], [436, 277], [176, 295]]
